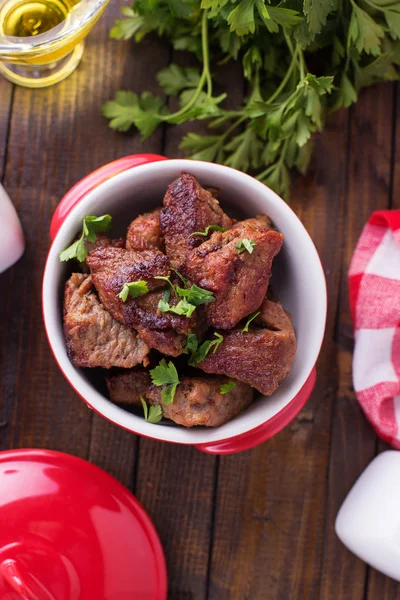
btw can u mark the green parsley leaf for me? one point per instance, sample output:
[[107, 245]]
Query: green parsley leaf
[[126, 28], [249, 320], [317, 12], [76, 250], [192, 343], [245, 151], [346, 94], [183, 308], [165, 374], [227, 387], [196, 295], [207, 230], [245, 244], [203, 147], [273, 43], [154, 415], [91, 225], [163, 306], [241, 18], [128, 109], [205, 348], [285, 17], [181, 277], [392, 16], [133, 289], [173, 79], [364, 32]]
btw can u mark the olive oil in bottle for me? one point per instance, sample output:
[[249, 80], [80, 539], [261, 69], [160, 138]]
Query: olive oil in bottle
[[26, 18]]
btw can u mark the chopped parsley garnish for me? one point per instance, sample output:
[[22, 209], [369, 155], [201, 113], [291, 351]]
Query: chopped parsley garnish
[[196, 295], [91, 226], [165, 374], [227, 387], [133, 289], [183, 308], [249, 320], [152, 414], [192, 297], [192, 343], [201, 352], [245, 244], [181, 277], [207, 230]]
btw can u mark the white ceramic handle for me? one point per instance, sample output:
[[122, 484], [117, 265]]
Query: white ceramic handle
[[12, 244]]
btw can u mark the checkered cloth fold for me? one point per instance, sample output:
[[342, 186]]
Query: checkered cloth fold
[[374, 286]]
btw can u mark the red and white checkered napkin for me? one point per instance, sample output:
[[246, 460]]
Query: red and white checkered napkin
[[374, 282]]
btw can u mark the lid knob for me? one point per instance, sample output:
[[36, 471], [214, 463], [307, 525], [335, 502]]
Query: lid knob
[[24, 584]]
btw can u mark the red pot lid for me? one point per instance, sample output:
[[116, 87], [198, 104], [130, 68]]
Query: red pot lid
[[70, 531]]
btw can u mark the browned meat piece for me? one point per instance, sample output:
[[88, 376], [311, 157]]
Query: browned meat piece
[[127, 387], [263, 356], [111, 268], [262, 220], [239, 281], [188, 208], [166, 332], [93, 337], [104, 241], [144, 233], [198, 401]]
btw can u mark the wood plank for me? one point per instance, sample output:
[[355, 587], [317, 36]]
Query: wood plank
[[6, 90], [268, 538], [380, 586], [176, 483], [352, 438], [57, 136]]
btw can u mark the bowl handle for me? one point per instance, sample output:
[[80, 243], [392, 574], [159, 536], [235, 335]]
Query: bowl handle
[[91, 181], [260, 434]]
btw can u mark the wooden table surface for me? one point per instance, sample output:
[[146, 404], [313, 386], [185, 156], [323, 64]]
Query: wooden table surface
[[258, 525]]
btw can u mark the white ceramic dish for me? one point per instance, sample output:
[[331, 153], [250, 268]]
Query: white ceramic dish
[[368, 522], [298, 281], [12, 244]]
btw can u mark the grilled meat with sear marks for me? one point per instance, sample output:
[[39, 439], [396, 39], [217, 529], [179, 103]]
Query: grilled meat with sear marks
[[144, 233], [239, 281], [263, 356], [188, 208], [94, 338], [198, 401]]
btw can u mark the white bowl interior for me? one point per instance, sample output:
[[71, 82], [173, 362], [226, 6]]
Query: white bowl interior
[[297, 279]]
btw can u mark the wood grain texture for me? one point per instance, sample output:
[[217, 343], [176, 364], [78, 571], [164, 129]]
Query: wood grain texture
[[380, 586], [259, 525], [352, 438], [176, 484], [57, 135], [270, 499], [6, 91]]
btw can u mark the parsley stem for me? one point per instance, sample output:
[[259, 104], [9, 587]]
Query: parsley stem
[[205, 76], [278, 164], [284, 81], [303, 68], [233, 127], [205, 51]]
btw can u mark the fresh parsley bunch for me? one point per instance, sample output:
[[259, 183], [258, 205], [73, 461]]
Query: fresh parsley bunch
[[300, 58]]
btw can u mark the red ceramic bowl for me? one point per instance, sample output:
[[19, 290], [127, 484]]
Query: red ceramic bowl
[[134, 184]]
